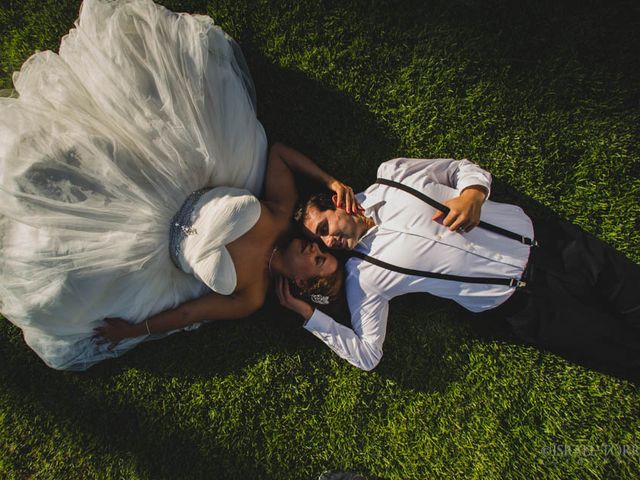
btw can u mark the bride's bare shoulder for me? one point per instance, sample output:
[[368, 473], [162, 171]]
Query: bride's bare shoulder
[[274, 215]]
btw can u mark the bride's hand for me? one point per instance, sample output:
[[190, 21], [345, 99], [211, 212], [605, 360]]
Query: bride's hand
[[289, 301], [344, 197], [115, 330]]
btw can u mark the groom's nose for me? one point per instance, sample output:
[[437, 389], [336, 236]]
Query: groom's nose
[[326, 239]]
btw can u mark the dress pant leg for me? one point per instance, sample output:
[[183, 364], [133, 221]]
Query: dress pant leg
[[595, 271], [583, 301], [618, 283]]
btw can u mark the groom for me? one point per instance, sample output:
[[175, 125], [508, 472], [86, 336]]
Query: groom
[[558, 287]]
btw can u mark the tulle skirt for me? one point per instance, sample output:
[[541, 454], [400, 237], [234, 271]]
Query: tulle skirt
[[105, 141]]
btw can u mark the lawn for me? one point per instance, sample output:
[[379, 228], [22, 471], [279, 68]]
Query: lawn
[[544, 94]]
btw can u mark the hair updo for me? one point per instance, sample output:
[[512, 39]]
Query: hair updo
[[325, 293]]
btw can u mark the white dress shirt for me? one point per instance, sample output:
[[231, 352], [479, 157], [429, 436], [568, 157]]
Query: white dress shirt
[[405, 235]]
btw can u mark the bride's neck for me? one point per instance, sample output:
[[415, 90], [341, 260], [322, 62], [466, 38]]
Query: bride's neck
[[275, 263]]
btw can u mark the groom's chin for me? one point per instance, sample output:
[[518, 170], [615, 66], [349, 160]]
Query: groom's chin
[[349, 244]]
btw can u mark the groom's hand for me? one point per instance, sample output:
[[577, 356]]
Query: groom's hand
[[464, 210]]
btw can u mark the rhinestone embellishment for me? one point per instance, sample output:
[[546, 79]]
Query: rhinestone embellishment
[[181, 225]]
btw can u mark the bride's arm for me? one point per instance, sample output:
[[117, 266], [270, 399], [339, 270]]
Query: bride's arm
[[210, 307], [280, 188]]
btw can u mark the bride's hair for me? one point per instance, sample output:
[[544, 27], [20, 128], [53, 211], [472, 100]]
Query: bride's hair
[[325, 293], [329, 287]]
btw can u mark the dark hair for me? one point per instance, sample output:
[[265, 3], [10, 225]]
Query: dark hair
[[331, 286], [322, 201]]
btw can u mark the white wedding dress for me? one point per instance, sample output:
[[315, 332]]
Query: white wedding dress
[[103, 145]]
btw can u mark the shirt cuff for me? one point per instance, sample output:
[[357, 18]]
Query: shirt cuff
[[472, 181], [318, 322]]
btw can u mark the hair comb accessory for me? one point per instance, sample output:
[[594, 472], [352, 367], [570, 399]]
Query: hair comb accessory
[[320, 299]]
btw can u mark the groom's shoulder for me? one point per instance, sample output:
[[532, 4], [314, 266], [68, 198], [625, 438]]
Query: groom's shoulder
[[391, 163], [359, 274]]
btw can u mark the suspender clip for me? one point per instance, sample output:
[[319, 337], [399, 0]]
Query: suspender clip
[[517, 283]]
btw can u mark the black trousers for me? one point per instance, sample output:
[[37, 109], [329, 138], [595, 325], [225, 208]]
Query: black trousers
[[582, 301]]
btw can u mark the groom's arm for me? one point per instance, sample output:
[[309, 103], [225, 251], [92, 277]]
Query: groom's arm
[[418, 173], [360, 345], [472, 182]]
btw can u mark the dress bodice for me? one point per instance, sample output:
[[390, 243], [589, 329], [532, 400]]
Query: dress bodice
[[209, 220]]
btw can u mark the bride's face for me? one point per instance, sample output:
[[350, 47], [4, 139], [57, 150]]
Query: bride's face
[[305, 259]]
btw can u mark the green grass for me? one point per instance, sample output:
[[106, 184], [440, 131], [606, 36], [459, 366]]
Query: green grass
[[544, 94]]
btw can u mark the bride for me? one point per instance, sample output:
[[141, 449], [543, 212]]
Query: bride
[[130, 164]]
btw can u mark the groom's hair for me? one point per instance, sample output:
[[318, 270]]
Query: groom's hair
[[322, 201]]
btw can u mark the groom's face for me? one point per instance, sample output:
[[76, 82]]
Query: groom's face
[[336, 228]]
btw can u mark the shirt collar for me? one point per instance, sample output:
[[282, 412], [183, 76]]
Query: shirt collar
[[371, 203]]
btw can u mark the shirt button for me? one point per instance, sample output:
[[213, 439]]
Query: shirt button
[[498, 256], [438, 237]]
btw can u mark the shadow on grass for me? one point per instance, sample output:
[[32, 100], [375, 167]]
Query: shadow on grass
[[326, 124], [102, 424], [425, 348]]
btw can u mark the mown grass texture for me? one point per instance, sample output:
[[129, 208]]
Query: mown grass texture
[[543, 94]]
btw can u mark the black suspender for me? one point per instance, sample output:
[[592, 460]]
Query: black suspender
[[443, 208], [510, 282]]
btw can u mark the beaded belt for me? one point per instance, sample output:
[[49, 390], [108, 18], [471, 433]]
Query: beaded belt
[[181, 225]]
